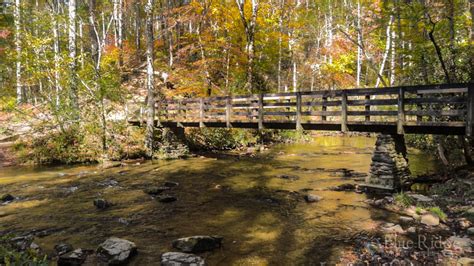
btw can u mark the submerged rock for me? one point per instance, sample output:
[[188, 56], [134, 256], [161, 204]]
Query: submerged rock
[[63, 248], [198, 243], [102, 204], [171, 184], [155, 190], [166, 198], [116, 250], [312, 198], [179, 258], [289, 177], [7, 197], [73, 258], [344, 187]]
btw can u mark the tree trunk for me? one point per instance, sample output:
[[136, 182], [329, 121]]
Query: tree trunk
[[56, 51], [359, 45], [249, 27], [387, 50], [150, 122], [73, 58], [17, 18]]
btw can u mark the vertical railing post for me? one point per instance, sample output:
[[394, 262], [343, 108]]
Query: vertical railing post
[[228, 111], [401, 111], [324, 107], [298, 111], [367, 108], [260, 111], [344, 111], [470, 109], [180, 114], [201, 112], [419, 108]]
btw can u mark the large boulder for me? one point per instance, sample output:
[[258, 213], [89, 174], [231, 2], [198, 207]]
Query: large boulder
[[116, 250], [179, 258], [198, 243]]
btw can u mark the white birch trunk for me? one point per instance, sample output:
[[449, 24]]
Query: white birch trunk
[[150, 127], [387, 50], [72, 57], [17, 19]]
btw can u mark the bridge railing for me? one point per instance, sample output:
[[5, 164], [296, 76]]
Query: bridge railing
[[430, 105]]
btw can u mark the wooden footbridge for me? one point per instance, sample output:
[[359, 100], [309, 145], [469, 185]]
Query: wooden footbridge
[[429, 109]]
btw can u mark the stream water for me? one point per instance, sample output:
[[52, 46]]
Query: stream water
[[262, 216]]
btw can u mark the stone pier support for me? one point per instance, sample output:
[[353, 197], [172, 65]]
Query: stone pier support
[[389, 165]]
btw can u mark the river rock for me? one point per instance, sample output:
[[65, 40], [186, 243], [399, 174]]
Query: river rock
[[461, 244], [63, 248], [179, 258], [102, 204], [73, 258], [171, 184], [406, 219], [116, 250], [289, 177], [312, 198], [393, 229], [166, 198], [198, 243], [464, 223], [470, 231], [155, 190], [430, 219], [344, 187], [7, 197], [419, 198], [465, 261]]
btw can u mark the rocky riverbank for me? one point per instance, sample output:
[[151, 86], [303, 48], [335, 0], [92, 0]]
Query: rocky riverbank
[[436, 227]]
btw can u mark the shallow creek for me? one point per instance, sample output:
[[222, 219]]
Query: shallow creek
[[245, 200]]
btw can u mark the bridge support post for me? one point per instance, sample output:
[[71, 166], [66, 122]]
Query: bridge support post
[[389, 165], [260, 111], [344, 111], [470, 110]]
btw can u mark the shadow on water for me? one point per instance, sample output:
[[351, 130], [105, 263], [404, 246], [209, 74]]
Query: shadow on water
[[262, 217]]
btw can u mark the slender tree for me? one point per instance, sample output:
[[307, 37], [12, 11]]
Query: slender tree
[[150, 122]]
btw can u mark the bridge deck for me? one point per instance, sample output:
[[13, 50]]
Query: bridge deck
[[431, 109]]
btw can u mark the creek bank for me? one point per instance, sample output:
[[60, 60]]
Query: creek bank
[[434, 227]]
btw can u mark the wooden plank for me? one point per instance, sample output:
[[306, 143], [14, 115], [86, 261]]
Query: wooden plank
[[368, 101], [260, 111], [372, 113], [283, 104], [401, 111], [322, 113], [425, 100], [344, 112], [298, 112], [281, 113], [321, 103], [437, 112], [470, 110]]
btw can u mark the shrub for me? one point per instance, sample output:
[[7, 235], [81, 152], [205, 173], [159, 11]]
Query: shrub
[[403, 199], [10, 255], [438, 212]]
